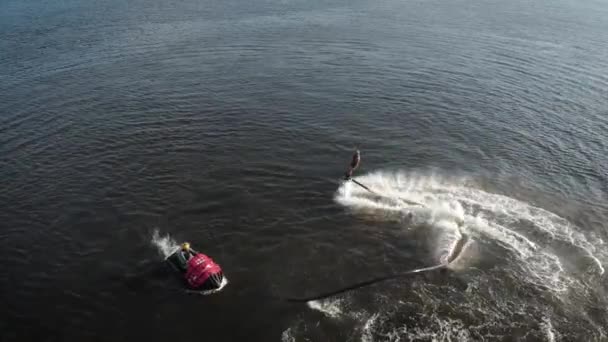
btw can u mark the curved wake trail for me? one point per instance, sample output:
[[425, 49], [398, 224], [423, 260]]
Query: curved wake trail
[[455, 211], [450, 242], [535, 248], [379, 193]]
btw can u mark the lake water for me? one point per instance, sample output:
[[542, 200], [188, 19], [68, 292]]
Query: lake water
[[127, 127]]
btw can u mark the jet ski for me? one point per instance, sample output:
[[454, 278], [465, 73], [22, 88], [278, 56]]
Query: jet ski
[[199, 272]]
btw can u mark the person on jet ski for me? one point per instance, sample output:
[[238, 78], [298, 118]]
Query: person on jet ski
[[185, 251], [202, 273]]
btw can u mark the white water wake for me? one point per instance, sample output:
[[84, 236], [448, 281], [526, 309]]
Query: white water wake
[[394, 195], [453, 208], [464, 225], [165, 244]]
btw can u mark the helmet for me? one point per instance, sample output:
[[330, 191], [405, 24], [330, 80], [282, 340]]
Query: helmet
[[185, 246]]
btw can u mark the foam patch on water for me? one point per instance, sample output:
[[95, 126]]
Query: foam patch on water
[[505, 212], [440, 330], [368, 328], [548, 329], [393, 193], [464, 256], [447, 241], [455, 207], [287, 336], [329, 307], [165, 244], [462, 222]]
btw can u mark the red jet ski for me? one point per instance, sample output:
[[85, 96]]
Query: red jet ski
[[199, 271]]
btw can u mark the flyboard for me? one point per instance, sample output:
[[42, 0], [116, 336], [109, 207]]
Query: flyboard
[[179, 264]]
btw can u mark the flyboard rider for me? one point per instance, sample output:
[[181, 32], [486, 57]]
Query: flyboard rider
[[354, 164], [348, 176]]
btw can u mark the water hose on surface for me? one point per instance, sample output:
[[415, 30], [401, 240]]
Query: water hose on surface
[[362, 284]]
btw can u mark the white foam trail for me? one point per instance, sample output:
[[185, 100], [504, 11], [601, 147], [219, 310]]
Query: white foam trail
[[548, 329], [453, 207], [597, 262], [287, 336], [330, 307], [447, 240], [460, 259], [511, 211], [445, 216], [165, 244], [368, 328], [440, 330]]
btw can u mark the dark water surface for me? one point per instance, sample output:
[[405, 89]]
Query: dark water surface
[[228, 123]]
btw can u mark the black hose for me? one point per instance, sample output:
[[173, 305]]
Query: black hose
[[362, 284], [377, 194], [364, 187]]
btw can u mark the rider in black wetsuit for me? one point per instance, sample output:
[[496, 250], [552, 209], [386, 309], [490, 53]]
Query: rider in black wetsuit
[[354, 164]]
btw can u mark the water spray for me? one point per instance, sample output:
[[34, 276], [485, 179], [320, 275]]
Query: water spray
[[355, 162], [348, 176]]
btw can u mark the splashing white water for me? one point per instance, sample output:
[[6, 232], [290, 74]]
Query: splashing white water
[[368, 328], [287, 336], [441, 330], [466, 224], [453, 208], [548, 329], [330, 307], [165, 244], [392, 193]]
